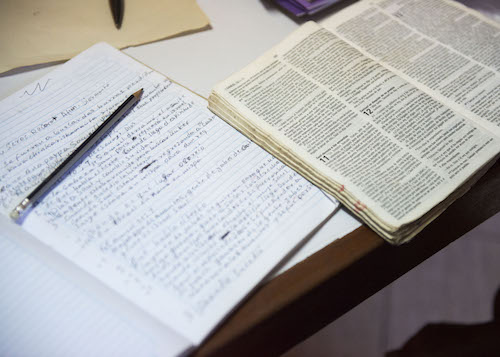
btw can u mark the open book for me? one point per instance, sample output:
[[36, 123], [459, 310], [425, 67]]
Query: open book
[[173, 218], [392, 106]]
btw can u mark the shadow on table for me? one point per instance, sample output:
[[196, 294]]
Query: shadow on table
[[445, 339]]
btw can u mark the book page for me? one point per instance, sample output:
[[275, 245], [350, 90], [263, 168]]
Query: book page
[[393, 148], [447, 50], [173, 209]]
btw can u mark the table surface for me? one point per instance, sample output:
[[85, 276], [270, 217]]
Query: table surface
[[313, 293]]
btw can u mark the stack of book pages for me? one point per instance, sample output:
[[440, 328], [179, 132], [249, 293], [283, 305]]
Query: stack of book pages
[[390, 106]]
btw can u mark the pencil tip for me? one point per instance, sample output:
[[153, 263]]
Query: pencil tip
[[138, 94]]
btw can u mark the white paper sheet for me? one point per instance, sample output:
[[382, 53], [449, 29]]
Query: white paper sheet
[[341, 224]]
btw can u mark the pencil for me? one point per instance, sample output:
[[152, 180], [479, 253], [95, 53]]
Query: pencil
[[46, 184]]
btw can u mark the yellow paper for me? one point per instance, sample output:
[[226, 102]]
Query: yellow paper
[[42, 31]]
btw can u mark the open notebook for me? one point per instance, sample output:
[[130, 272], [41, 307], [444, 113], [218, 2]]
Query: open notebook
[[171, 220]]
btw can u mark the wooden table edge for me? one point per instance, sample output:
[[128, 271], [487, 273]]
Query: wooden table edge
[[310, 295]]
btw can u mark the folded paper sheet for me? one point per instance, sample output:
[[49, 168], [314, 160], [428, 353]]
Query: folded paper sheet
[[33, 32]]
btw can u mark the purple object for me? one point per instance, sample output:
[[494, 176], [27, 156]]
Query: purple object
[[291, 7], [303, 7], [313, 4]]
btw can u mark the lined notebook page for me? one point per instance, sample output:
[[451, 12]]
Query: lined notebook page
[[174, 209], [46, 312]]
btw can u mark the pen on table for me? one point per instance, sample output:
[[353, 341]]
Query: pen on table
[[46, 184], [117, 9]]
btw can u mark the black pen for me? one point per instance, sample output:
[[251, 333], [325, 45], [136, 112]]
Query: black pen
[[117, 9], [46, 184]]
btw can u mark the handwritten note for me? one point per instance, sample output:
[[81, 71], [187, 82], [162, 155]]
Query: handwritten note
[[173, 209]]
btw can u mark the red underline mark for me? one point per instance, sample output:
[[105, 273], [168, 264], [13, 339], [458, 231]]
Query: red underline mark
[[358, 206]]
